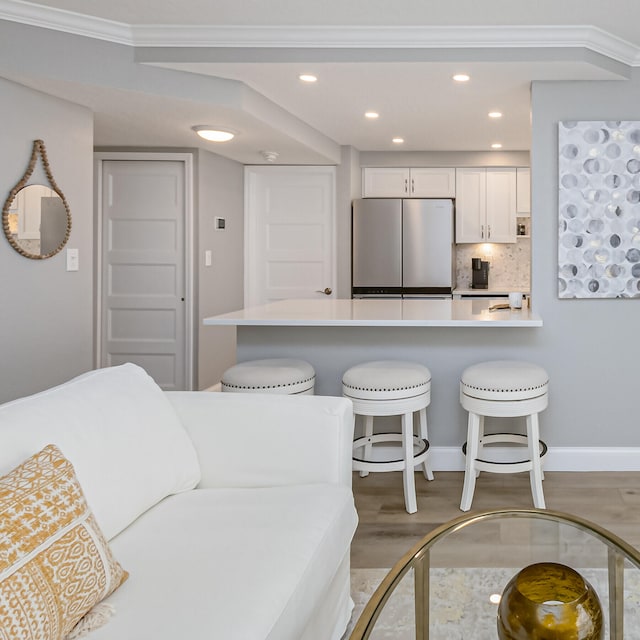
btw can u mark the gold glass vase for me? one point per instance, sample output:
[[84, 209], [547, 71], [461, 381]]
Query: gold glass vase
[[549, 601]]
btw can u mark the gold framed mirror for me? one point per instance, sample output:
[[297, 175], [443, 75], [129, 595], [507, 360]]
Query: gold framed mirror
[[36, 218]]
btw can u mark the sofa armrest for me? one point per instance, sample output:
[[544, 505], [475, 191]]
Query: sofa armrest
[[253, 440]]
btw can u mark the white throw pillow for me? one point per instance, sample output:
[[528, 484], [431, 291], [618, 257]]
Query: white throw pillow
[[119, 431]]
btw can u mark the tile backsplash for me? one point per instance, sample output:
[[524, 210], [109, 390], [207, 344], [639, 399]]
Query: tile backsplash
[[509, 264]]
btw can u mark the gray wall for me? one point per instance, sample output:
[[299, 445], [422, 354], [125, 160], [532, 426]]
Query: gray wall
[[221, 286], [590, 347], [46, 314], [348, 187]]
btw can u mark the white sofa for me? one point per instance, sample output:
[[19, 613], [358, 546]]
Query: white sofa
[[232, 513]]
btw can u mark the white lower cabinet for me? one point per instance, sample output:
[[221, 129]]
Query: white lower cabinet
[[485, 205]]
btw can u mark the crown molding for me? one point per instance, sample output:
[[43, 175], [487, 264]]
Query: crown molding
[[400, 37], [67, 21]]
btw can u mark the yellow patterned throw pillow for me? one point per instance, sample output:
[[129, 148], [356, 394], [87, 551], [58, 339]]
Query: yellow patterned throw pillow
[[55, 564]]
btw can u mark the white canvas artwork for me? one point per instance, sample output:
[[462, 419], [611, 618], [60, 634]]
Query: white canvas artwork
[[599, 209]]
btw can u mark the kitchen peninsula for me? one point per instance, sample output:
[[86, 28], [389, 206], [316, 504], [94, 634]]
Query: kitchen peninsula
[[371, 312], [444, 335]]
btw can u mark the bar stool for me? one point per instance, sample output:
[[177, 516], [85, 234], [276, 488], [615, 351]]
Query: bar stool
[[274, 375], [391, 388], [503, 388]]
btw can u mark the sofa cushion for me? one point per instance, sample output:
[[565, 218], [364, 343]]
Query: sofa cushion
[[119, 431], [237, 564], [55, 564]]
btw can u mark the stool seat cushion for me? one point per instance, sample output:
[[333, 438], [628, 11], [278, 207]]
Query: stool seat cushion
[[386, 379], [279, 375], [504, 380]]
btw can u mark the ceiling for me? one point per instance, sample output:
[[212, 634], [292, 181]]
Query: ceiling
[[236, 64]]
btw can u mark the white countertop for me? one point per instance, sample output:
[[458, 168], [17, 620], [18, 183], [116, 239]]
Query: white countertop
[[329, 312]]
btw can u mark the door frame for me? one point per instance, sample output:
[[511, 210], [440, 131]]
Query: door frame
[[187, 162], [250, 230]]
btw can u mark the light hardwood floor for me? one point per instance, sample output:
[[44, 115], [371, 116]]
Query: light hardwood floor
[[386, 531]]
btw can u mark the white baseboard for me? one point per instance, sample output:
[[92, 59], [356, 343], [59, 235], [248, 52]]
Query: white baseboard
[[557, 459]]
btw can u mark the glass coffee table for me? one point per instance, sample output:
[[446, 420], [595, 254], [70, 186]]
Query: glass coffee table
[[448, 586]]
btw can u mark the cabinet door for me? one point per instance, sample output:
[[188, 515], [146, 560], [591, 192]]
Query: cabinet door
[[471, 205], [433, 183], [383, 182], [523, 190], [501, 205]]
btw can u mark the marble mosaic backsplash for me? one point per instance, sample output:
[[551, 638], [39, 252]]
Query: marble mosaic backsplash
[[509, 264]]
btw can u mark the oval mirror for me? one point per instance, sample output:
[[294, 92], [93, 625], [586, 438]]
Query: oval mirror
[[35, 218]]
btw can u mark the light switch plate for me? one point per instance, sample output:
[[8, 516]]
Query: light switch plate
[[73, 260], [207, 258]]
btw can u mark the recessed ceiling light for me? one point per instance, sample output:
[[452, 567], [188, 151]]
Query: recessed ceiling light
[[398, 140], [214, 133], [307, 77], [461, 77], [372, 115], [496, 145], [495, 114]]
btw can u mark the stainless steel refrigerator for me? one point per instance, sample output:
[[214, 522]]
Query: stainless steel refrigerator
[[402, 248]]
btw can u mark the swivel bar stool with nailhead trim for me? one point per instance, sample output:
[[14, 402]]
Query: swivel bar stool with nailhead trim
[[503, 388], [275, 375], [391, 388]]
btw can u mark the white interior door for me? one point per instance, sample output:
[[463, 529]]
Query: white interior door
[[144, 288], [289, 226]]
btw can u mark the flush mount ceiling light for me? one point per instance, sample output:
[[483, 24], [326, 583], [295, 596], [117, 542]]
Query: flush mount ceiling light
[[398, 140], [307, 77], [496, 145], [214, 133], [461, 77], [495, 114], [372, 115]]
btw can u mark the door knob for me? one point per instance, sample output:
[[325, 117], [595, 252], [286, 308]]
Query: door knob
[[327, 291]]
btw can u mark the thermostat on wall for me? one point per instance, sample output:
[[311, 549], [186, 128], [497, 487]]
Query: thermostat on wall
[[219, 223]]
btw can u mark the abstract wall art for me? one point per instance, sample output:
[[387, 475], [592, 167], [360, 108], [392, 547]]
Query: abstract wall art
[[599, 209]]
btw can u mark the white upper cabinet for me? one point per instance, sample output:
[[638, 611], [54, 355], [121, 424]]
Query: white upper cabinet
[[485, 205], [523, 190], [390, 182], [471, 205], [385, 182], [501, 205], [432, 183]]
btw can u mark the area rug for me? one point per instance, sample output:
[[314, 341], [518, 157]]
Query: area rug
[[461, 608]]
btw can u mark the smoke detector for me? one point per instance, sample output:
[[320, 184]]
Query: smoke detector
[[270, 156]]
